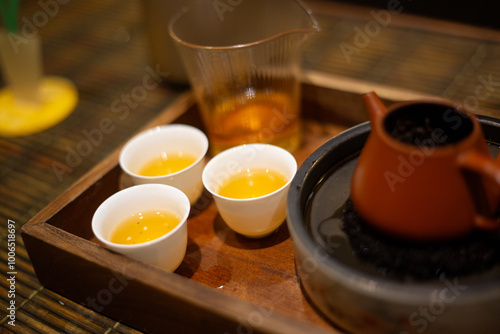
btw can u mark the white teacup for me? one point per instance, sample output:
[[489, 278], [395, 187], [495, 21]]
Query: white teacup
[[167, 251], [151, 143], [253, 217]]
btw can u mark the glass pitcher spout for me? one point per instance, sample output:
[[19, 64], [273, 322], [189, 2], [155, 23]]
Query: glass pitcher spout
[[240, 23]]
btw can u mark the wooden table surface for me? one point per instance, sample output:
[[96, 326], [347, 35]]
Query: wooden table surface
[[101, 46]]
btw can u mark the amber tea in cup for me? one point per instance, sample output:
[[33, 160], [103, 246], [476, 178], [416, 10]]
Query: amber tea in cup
[[167, 163], [252, 182], [144, 226]]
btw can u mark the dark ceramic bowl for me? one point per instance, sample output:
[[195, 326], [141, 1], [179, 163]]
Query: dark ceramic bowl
[[353, 294]]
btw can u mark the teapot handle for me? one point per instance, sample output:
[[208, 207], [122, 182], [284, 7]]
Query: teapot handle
[[474, 165]]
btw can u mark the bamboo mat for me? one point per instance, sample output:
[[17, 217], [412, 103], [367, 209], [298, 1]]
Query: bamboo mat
[[101, 47], [451, 61]]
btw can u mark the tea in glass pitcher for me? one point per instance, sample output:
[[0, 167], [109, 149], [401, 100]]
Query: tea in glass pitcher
[[243, 65]]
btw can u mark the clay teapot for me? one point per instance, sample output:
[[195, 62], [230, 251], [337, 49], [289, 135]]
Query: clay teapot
[[425, 172]]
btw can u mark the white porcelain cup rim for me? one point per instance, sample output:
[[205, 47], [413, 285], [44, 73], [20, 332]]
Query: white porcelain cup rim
[[232, 150], [135, 141], [117, 196]]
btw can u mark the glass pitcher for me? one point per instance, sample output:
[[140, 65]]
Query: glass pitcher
[[243, 62]]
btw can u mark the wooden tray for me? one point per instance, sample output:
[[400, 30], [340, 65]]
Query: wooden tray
[[226, 283]]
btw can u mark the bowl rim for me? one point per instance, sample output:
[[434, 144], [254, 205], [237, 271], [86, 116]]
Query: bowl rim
[[375, 286], [155, 131], [230, 151]]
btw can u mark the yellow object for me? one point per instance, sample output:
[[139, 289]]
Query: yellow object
[[58, 98], [252, 183], [262, 117], [144, 226], [167, 163]]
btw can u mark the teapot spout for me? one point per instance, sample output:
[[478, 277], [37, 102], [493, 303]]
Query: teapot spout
[[376, 109]]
